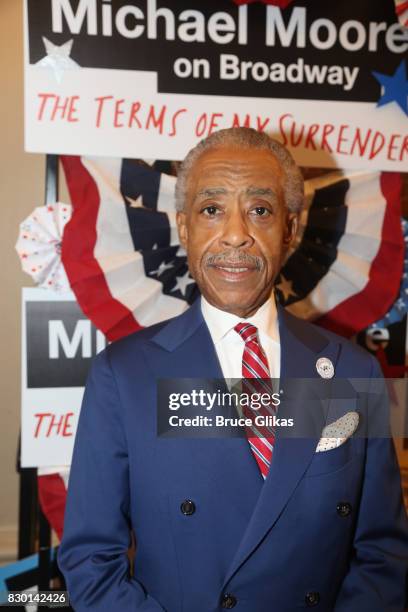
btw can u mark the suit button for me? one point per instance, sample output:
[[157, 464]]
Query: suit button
[[343, 509], [228, 601], [187, 507], [312, 598]]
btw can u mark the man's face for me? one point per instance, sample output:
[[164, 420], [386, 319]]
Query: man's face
[[235, 227]]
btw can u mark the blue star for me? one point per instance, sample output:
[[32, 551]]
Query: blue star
[[395, 88]]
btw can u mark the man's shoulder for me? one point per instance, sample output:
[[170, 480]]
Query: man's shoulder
[[138, 338], [142, 337]]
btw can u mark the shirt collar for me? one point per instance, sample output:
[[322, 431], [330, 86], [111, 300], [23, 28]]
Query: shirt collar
[[220, 322]]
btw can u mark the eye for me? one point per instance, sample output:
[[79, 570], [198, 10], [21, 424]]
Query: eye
[[210, 211], [261, 211]]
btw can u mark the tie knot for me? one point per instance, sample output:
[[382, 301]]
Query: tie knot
[[247, 332]]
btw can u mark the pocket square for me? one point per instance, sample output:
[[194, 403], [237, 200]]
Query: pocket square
[[336, 433]]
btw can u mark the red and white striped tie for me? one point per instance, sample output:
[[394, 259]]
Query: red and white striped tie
[[255, 365]]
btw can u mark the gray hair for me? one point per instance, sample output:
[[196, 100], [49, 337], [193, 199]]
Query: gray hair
[[293, 186]]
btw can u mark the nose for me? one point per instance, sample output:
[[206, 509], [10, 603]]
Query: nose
[[235, 232]]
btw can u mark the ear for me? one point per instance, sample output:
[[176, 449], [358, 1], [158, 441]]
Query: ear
[[181, 220], [291, 228]]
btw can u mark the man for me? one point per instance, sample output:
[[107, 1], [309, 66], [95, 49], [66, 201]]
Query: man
[[253, 523]]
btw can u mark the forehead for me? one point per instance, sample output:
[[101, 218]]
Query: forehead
[[236, 168]]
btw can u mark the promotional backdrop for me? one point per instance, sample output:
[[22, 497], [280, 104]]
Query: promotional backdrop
[[150, 78]]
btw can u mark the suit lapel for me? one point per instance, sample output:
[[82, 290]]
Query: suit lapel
[[189, 350], [301, 346], [190, 353]]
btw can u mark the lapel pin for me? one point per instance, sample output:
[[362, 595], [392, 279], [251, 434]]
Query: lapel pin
[[325, 367]]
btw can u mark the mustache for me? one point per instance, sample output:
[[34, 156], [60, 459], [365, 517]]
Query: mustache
[[234, 257]]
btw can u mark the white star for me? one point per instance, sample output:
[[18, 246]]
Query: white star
[[285, 286], [163, 266], [182, 282], [57, 58], [138, 203]]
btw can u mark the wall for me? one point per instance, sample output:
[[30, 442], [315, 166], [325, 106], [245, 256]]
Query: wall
[[21, 188]]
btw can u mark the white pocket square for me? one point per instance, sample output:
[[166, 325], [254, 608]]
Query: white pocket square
[[336, 433]]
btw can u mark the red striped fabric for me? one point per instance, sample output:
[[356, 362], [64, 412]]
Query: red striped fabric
[[91, 288], [255, 366], [52, 497], [360, 310]]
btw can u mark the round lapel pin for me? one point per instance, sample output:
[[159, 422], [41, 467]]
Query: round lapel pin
[[325, 367]]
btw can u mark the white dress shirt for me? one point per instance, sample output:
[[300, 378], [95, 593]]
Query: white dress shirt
[[229, 345]]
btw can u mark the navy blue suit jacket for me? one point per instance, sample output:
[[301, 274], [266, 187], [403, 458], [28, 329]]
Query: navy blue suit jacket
[[272, 545]]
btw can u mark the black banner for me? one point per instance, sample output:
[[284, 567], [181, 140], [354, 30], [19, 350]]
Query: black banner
[[325, 50], [61, 342]]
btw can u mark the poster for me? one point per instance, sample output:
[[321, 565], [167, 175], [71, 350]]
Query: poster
[[58, 343], [149, 78]]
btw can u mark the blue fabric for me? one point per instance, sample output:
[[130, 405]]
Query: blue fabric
[[267, 543]]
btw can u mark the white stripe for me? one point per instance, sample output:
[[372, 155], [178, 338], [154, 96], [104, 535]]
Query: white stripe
[[114, 250], [245, 328], [257, 359], [262, 439], [166, 203], [166, 196], [248, 367], [259, 383], [259, 454]]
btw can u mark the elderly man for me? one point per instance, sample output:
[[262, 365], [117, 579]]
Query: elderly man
[[258, 523]]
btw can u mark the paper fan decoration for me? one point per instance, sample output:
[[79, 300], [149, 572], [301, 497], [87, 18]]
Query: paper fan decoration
[[127, 270], [39, 245]]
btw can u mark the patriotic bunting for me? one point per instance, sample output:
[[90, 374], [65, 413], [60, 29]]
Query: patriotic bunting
[[121, 253]]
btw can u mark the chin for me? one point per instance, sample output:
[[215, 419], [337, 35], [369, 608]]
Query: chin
[[233, 305]]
